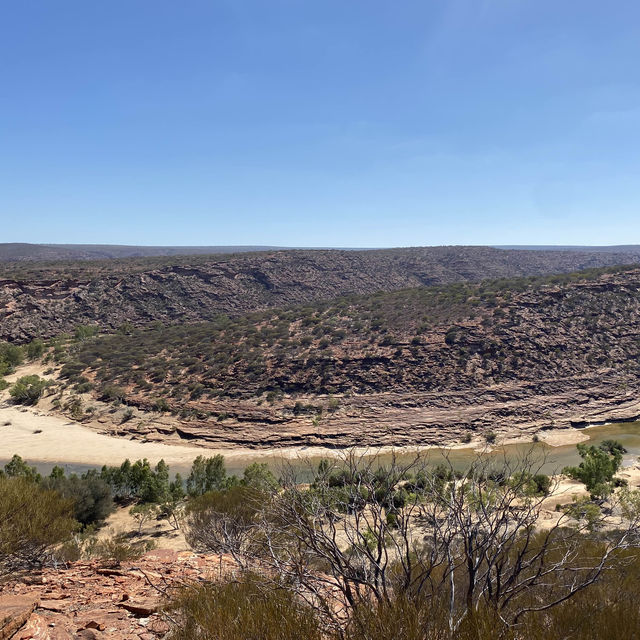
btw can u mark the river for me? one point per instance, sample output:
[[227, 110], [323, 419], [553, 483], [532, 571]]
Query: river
[[554, 457]]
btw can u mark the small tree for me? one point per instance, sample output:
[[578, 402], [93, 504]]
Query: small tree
[[598, 466], [207, 474], [18, 468], [143, 513]]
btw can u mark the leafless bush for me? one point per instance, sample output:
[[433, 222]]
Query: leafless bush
[[364, 534]]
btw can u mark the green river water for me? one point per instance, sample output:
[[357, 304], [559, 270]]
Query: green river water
[[555, 458]]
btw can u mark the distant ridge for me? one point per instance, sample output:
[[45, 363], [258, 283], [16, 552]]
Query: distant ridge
[[22, 251], [42, 299], [27, 252], [619, 248]]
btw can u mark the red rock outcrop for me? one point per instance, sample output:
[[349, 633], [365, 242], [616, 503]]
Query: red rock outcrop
[[90, 603]]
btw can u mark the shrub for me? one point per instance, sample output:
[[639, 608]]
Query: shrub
[[161, 405], [490, 437], [115, 550], [111, 392], [84, 387], [82, 332], [28, 390], [11, 356], [33, 520], [242, 609], [89, 494], [215, 515], [35, 349]]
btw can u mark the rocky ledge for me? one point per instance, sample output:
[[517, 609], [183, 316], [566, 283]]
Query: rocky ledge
[[89, 602]]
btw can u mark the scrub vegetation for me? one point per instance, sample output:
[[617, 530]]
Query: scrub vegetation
[[413, 550], [423, 339], [362, 549]]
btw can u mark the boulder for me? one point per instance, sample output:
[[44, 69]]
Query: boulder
[[14, 613]]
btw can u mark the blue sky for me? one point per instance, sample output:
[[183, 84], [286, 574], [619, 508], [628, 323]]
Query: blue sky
[[324, 123]]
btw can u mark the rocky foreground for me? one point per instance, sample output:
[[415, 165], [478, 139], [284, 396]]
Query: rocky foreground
[[88, 602]]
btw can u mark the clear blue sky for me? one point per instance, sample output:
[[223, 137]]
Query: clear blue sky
[[320, 123]]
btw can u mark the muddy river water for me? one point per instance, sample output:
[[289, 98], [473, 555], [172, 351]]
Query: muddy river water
[[553, 458]]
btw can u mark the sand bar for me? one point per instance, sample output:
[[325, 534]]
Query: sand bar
[[49, 438]]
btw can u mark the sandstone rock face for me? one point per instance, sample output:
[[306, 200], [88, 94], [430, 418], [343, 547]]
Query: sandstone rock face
[[82, 602], [15, 610], [557, 356], [45, 300]]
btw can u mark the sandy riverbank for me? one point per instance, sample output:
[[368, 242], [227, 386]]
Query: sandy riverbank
[[40, 436]]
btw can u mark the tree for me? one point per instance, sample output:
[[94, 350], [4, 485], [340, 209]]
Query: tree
[[18, 468], [142, 513], [90, 494], [598, 466], [226, 520], [259, 476], [138, 481], [207, 474]]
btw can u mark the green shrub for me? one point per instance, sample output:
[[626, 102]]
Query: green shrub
[[240, 610], [35, 349], [28, 390], [161, 405], [115, 550], [33, 520], [216, 515], [89, 494], [82, 332], [111, 392], [11, 356]]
